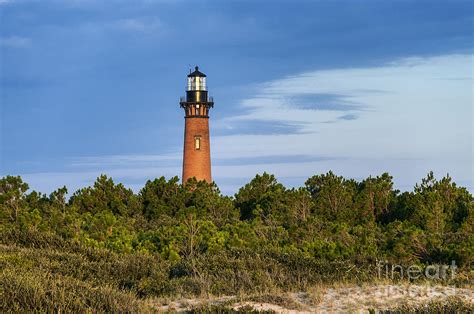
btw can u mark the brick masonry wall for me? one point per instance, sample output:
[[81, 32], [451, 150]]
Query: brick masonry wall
[[197, 163]]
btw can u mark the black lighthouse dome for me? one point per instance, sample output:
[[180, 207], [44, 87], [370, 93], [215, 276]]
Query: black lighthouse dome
[[196, 73]]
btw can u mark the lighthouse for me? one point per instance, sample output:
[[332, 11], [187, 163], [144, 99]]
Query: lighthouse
[[197, 147]]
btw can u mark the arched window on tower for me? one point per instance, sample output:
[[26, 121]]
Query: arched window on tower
[[197, 142]]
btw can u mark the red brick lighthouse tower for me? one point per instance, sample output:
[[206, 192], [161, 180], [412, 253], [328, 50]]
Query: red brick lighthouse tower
[[197, 148]]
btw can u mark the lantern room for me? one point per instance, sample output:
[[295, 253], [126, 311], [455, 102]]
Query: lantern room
[[196, 103], [197, 80]]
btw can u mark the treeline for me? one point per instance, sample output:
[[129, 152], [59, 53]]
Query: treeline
[[329, 219]]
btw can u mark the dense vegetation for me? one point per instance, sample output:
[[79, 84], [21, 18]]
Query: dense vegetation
[[110, 245]]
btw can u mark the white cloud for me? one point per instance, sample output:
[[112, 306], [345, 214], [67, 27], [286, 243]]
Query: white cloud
[[416, 117], [415, 108]]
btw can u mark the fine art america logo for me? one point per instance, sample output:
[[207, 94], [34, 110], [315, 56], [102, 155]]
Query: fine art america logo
[[435, 273], [414, 272]]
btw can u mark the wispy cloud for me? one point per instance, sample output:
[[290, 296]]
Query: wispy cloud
[[257, 127], [118, 160], [348, 117], [142, 24], [368, 107], [131, 25], [378, 116], [15, 41], [322, 101], [231, 176]]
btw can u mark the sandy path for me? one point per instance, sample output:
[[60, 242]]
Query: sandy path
[[354, 299]]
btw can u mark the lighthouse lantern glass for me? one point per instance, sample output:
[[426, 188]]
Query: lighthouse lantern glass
[[196, 83]]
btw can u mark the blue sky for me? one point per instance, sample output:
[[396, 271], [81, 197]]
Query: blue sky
[[300, 88]]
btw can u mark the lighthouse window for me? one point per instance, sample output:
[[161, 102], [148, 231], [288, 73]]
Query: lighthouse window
[[197, 143]]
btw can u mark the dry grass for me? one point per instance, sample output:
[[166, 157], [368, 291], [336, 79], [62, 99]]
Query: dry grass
[[451, 305], [76, 279], [37, 291]]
